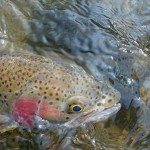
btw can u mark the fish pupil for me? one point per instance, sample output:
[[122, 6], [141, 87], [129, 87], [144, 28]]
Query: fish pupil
[[76, 108]]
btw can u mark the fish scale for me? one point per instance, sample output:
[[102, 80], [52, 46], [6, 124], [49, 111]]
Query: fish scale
[[63, 90]]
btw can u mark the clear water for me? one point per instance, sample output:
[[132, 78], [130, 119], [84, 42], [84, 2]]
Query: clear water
[[111, 40]]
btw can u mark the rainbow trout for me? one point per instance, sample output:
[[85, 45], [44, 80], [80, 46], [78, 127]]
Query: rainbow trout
[[53, 90]]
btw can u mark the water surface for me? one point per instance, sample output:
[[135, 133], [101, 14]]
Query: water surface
[[110, 40]]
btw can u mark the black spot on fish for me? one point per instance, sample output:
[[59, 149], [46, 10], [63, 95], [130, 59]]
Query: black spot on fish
[[50, 94], [67, 118], [109, 100], [103, 97], [47, 88], [99, 104], [51, 103], [98, 87]]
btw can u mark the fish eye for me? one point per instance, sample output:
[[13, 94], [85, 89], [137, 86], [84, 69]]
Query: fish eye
[[76, 108], [75, 104]]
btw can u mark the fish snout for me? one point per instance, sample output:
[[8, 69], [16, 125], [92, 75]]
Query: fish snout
[[110, 99]]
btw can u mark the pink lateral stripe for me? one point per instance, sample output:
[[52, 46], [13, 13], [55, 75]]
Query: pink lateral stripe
[[25, 108]]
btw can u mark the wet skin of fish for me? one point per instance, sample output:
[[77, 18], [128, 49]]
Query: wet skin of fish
[[56, 91]]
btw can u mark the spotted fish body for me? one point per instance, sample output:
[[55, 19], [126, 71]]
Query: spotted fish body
[[49, 88]]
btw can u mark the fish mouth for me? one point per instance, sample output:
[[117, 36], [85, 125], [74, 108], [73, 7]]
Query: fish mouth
[[93, 116]]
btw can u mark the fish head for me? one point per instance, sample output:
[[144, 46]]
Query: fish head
[[89, 106], [64, 96]]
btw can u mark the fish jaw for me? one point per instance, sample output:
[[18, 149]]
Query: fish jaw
[[100, 115], [25, 108]]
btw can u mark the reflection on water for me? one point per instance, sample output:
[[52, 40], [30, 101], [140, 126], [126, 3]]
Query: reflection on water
[[110, 39]]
